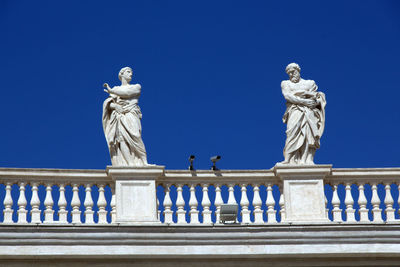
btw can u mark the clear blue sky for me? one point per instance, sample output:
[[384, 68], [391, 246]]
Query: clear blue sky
[[210, 74]]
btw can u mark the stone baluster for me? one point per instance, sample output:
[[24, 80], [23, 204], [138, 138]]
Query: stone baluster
[[180, 204], [88, 203], [22, 204], [375, 201], [271, 213], [326, 204], [101, 204], [194, 213], [244, 203], [231, 195], [362, 202], [35, 204], [336, 211], [62, 205], [218, 202], [75, 203], [348, 201], [258, 213], [113, 204], [206, 205], [398, 199], [167, 205], [282, 204], [389, 204], [158, 208], [48, 203], [8, 203]]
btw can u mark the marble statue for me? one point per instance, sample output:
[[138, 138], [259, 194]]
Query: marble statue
[[122, 122], [304, 116]]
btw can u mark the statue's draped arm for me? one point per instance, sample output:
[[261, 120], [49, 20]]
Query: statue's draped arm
[[109, 121], [289, 96], [321, 99], [129, 91]]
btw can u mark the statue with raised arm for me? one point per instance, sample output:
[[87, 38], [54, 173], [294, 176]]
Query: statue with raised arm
[[121, 122], [304, 116]]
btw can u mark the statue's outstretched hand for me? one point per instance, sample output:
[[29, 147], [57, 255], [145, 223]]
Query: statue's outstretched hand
[[108, 88]]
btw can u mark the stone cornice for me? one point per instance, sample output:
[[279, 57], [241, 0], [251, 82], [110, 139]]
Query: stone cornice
[[214, 242], [364, 175], [257, 176], [51, 175], [126, 173], [220, 176]]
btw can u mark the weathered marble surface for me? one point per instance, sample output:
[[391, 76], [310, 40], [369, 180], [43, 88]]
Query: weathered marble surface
[[304, 116], [122, 122], [292, 242], [286, 245], [135, 193], [303, 188]]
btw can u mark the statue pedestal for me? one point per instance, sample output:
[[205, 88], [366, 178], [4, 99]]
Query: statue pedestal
[[303, 189], [135, 193]]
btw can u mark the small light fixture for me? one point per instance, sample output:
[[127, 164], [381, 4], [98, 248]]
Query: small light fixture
[[191, 159], [214, 160], [228, 213]]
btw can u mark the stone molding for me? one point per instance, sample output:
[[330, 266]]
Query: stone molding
[[52, 175], [283, 241], [98, 175], [135, 173], [286, 171]]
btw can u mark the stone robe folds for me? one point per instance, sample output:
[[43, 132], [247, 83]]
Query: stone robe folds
[[305, 126], [123, 127]]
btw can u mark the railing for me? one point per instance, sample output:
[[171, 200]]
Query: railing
[[75, 197], [363, 195], [186, 197], [56, 196]]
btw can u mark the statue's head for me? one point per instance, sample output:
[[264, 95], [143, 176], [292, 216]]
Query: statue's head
[[293, 70], [126, 74]]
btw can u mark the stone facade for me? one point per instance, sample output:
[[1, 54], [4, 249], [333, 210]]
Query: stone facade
[[288, 216]]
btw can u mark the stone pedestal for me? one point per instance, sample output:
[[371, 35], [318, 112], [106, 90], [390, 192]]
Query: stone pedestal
[[135, 193], [303, 188]]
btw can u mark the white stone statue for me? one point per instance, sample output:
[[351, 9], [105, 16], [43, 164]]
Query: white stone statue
[[304, 116], [121, 122]]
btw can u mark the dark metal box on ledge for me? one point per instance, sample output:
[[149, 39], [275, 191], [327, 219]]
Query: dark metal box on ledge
[[228, 213]]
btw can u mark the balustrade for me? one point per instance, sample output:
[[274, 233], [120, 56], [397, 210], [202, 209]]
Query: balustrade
[[48, 184], [249, 201], [369, 202], [75, 197]]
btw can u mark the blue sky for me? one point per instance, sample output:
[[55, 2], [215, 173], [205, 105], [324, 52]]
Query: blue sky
[[210, 73]]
